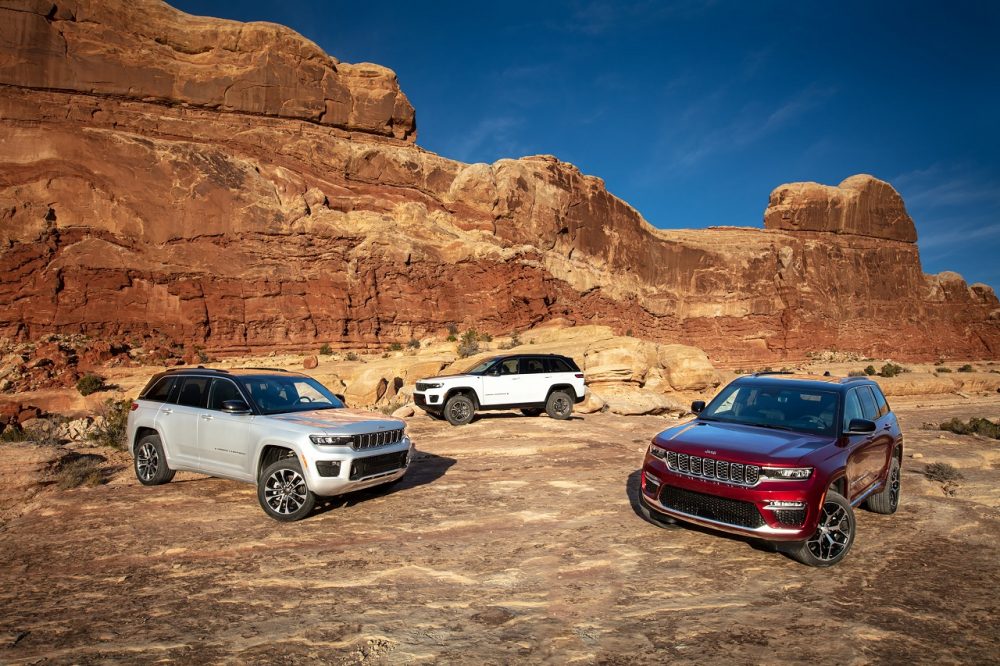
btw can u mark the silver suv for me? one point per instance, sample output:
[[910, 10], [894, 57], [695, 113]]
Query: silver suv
[[283, 431]]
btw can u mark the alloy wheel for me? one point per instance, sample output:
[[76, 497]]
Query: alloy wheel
[[285, 491], [459, 410], [560, 405], [833, 536], [894, 487], [147, 461]]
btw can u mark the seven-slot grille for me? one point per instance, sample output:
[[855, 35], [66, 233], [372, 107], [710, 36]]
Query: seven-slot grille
[[387, 462], [711, 507], [372, 440], [711, 468]]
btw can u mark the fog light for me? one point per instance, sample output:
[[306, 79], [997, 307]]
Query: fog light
[[433, 398], [328, 467], [784, 504]]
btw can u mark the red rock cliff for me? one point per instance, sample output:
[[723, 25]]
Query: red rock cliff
[[229, 185]]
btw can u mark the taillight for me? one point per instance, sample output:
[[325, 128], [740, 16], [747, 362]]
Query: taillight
[[579, 375], [134, 406]]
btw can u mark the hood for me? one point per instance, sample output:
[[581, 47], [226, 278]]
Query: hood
[[445, 377], [339, 421], [741, 443]]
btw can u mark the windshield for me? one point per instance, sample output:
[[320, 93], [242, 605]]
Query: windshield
[[479, 368], [780, 407], [281, 395]]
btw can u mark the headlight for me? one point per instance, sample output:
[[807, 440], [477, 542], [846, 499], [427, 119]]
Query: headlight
[[786, 473], [432, 386], [657, 452], [331, 440]]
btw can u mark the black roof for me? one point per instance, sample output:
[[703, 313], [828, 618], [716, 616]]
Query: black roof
[[230, 372], [814, 382]]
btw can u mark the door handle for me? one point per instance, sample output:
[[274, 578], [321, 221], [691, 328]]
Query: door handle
[[166, 411], [207, 417]]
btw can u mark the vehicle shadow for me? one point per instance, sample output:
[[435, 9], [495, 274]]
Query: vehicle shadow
[[632, 489], [424, 468], [518, 415]]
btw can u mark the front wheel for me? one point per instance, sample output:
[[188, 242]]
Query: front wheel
[[150, 463], [459, 410], [834, 535], [887, 501], [559, 405], [282, 491]]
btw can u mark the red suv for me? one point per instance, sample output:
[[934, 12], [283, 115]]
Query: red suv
[[781, 458]]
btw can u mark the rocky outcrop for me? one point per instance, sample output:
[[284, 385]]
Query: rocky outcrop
[[149, 191]]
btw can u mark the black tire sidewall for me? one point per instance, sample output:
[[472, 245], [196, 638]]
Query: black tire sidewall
[[550, 404], [163, 472], [293, 464], [451, 401], [800, 551]]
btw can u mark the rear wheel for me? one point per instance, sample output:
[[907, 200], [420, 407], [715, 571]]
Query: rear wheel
[[887, 501], [150, 463], [282, 491], [559, 405], [534, 411], [834, 535], [459, 410]]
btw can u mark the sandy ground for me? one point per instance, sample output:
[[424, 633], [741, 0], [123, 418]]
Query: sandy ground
[[511, 540]]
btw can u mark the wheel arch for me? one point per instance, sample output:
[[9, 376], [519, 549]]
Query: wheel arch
[[271, 452], [144, 431], [562, 387], [467, 391]]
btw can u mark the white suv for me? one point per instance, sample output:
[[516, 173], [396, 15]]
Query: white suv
[[283, 431], [533, 383]]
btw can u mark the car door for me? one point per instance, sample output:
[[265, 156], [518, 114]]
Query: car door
[[867, 449], [177, 419], [501, 383], [224, 439], [537, 378]]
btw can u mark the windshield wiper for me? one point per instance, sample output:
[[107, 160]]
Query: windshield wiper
[[772, 426]]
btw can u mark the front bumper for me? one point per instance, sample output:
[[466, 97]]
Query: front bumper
[[357, 469], [730, 508], [429, 401]]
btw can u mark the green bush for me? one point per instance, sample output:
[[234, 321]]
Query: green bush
[[856, 373], [628, 333], [351, 356], [452, 338], [395, 346], [326, 349], [975, 426], [942, 472], [89, 383], [966, 368], [413, 343], [109, 427], [469, 344], [870, 370], [80, 471], [485, 337], [942, 369], [13, 433], [891, 370], [452, 329]]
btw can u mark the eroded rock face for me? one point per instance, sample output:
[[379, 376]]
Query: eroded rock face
[[149, 191]]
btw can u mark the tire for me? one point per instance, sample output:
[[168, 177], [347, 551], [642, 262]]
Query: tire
[[887, 501], [655, 517], [834, 535], [282, 491], [150, 463], [534, 411], [559, 405], [459, 410]]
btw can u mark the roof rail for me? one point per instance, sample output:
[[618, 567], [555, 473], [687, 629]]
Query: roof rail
[[856, 379], [772, 372], [267, 369], [192, 369]]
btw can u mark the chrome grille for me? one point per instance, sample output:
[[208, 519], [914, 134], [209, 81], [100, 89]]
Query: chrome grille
[[712, 468], [373, 440]]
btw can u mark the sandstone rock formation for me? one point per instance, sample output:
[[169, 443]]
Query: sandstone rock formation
[[230, 186]]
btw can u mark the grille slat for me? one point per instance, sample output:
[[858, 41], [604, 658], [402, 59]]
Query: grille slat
[[711, 468], [372, 440], [387, 462], [711, 507]]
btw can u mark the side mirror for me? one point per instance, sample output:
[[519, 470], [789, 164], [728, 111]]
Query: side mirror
[[340, 397], [235, 407], [494, 371], [860, 427], [698, 406]]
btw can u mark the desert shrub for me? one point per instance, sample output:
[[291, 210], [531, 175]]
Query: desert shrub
[[109, 426], [89, 383], [13, 433], [891, 370], [395, 346], [856, 373], [469, 344], [351, 356], [966, 368], [975, 426], [452, 338], [326, 349], [80, 471], [942, 369], [870, 370], [485, 337], [515, 341], [413, 343], [628, 333], [391, 406], [452, 329], [201, 355], [942, 472]]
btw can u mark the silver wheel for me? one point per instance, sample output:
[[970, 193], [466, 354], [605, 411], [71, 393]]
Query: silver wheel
[[560, 405], [459, 410], [833, 535], [285, 491], [147, 461], [894, 487]]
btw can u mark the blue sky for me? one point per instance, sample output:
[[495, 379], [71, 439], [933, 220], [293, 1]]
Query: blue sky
[[693, 111]]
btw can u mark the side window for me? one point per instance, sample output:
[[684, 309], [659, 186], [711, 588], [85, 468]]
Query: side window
[[868, 406], [160, 390], [557, 365], [194, 392], [852, 408], [508, 367], [222, 390], [532, 366], [883, 406]]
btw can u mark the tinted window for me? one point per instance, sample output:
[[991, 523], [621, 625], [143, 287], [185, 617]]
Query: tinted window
[[868, 406], [852, 408], [769, 406], [194, 391], [508, 367], [160, 390], [279, 395], [558, 365], [222, 390], [532, 366], [883, 406]]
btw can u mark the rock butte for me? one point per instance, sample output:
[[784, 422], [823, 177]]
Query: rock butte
[[232, 186]]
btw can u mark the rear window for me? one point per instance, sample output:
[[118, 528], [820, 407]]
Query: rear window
[[159, 391], [883, 406], [559, 365], [532, 366]]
